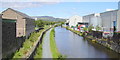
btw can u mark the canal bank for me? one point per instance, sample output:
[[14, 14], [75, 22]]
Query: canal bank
[[28, 48], [112, 46], [46, 53], [74, 46], [47, 48], [54, 49], [38, 52]]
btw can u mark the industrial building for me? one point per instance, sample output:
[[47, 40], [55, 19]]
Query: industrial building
[[24, 23], [109, 19], [93, 19], [119, 5], [118, 18], [74, 20]]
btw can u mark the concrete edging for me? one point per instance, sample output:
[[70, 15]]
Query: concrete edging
[[31, 53]]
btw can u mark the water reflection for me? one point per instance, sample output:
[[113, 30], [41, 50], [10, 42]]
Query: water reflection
[[74, 46]]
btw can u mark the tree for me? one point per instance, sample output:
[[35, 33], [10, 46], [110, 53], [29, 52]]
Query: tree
[[85, 29], [90, 28], [41, 23], [97, 28]]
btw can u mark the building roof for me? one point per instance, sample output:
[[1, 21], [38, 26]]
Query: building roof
[[89, 15], [119, 5], [109, 11], [20, 13]]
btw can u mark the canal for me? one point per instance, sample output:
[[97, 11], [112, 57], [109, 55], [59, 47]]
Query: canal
[[74, 46]]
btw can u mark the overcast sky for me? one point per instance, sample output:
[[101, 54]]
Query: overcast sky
[[59, 8]]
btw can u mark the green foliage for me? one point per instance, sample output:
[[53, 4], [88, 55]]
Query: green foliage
[[90, 28], [98, 28], [85, 29], [54, 50], [62, 22], [57, 25], [67, 28], [28, 44], [77, 32], [38, 52], [77, 25], [41, 23]]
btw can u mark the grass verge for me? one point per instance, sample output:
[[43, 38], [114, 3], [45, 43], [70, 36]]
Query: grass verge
[[28, 44], [54, 50], [39, 51], [76, 32]]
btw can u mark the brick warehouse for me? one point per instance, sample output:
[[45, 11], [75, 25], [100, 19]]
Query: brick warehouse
[[24, 23]]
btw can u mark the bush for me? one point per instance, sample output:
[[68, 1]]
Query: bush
[[41, 23], [27, 45], [85, 29], [90, 28], [98, 28]]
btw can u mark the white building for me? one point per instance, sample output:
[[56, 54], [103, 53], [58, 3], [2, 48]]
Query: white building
[[118, 21], [118, 18], [93, 19], [67, 21], [109, 19], [119, 5], [74, 20], [106, 20]]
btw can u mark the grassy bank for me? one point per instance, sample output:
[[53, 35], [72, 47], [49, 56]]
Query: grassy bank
[[38, 52], [29, 44], [54, 50], [102, 41], [83, 34], [77, 32]]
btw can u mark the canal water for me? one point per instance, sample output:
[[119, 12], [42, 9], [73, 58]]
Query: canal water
[[74, 46]]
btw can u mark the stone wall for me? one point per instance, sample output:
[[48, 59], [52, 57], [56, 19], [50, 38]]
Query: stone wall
[[9, 41], [112, 43], [112, 46], [30, 27], [8, 37]]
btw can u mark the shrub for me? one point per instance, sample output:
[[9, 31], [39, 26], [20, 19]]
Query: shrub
[[90, 28], [97, 28]]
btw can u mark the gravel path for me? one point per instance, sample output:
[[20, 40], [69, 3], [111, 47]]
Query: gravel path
[[46, 46]]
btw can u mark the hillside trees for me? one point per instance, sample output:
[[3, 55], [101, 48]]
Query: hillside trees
[[41, 23]]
